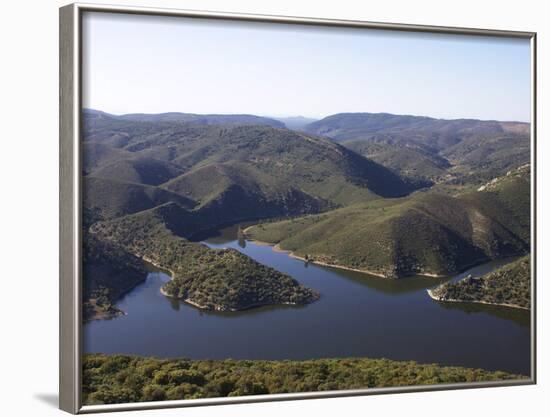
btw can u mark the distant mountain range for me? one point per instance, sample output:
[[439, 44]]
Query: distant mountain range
[[439, 133], [424, 149], [206, 119]]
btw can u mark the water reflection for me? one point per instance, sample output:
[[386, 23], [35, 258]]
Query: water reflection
[[175, 304], [518, 316], [241, 239], [391, 286], [256, 311]]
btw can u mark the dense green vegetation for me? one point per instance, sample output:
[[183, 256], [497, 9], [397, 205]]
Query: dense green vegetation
[[221, 279], [417, 164], [477, 160], [140, 170], [109, 273], [509, 285], [125, 379], [110, 198], [427, 233], [227, 194], [418, 148], [271, 169]]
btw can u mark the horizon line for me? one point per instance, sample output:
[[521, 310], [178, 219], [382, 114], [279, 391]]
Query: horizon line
[[275, 117]]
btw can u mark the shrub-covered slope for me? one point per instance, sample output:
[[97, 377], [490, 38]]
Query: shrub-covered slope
[[474, 150], [208, 162], [213, 279], [141, 170], [109, 272], [108, 198], [509, 286], [127, 379], [420, 165], [426, 233]]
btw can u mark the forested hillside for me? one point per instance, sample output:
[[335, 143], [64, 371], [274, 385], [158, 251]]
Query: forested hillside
[[424, 149], [222, 279], [508, 286], [125, 379], [426, 233], [109, 272]]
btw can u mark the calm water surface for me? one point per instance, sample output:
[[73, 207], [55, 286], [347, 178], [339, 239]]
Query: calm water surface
[[357, 315]]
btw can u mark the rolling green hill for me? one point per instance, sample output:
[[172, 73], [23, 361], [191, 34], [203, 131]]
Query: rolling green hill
[[107, 199], [141, 170], [276, 159], [96, 155], [419, 165], [509, 286], [127, 379], [477, 158], [426, 233], [233, 172], [212, 279], [466, 150], [507, 199], [226, 194], [266, 152]]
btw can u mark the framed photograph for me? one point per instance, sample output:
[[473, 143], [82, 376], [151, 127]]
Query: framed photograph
[[261, 208]]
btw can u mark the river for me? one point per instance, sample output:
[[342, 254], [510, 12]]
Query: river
[[357, 315]]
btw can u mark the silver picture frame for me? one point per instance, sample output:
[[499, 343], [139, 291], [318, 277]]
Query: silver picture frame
[[70, 200]]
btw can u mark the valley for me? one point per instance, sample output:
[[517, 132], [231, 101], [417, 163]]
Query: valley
[[392, 205], [254, 238], [356, 315]]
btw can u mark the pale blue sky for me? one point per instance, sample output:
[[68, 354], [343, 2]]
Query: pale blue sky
[[153, 64]]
